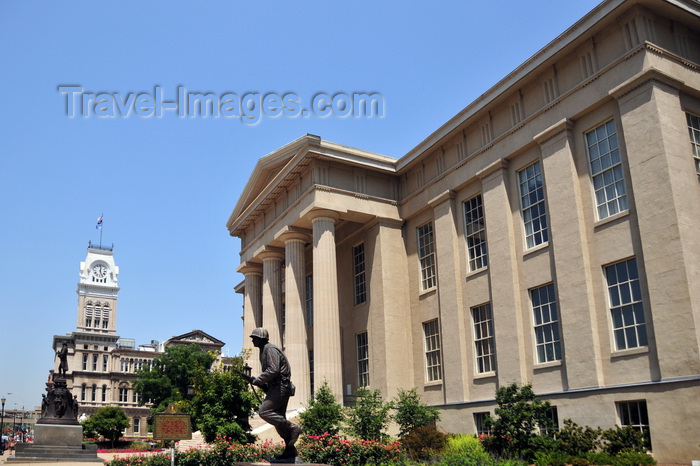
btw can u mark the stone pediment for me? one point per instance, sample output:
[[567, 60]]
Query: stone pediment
[[265, 171], [197, 337]]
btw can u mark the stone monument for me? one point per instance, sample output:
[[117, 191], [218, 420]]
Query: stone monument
[[58, 436]]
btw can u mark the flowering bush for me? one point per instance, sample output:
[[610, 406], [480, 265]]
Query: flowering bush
[[334, 450]]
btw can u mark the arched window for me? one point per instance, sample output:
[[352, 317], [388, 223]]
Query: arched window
[[104, 393], [83, 390], [94, 392]]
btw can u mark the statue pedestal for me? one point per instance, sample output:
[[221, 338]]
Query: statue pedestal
[[58, 435], [55, 443]]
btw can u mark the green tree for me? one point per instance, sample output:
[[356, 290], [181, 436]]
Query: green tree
[[411, 412], [323, 414], [369, 417], [108, 421], [222, 403], [519, 412], [167, 379]]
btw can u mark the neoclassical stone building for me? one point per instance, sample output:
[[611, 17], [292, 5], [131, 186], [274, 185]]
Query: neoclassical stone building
[[549, 234], [101, 365]]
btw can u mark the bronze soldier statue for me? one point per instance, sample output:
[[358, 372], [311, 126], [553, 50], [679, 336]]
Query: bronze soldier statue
[[275, 381]]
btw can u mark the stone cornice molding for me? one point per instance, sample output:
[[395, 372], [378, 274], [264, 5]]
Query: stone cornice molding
[[653, 75], [563, 127], [496, 167]]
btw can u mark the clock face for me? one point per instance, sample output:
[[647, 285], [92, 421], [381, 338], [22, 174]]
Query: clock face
[[99, 271]]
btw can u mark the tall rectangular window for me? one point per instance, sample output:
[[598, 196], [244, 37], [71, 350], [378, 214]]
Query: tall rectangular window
[[475, 233], [546, 322], [309, 300], [137, 426], [433, 362], [93, 394], [105, 363], [358, 260], [83, 392], [694, 130], [606, 170], [85, 362], [426, 255], [625, 296], [634, 413], [95, 359], [104, 393], [484, 347], [123, 395], [553, 415], [479, 423], [362, 360], [532, 205]]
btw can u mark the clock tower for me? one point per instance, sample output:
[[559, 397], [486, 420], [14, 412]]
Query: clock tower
[[97, 292]]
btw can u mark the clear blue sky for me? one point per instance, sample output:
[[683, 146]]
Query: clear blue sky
[[166, 185]]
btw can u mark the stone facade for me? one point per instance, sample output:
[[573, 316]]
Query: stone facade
[[101, 365], [547, 234]]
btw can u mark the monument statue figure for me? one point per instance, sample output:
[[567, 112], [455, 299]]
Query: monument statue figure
[[275, 381], [63, 356]]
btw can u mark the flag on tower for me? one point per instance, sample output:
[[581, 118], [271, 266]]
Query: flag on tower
[[99, 223]]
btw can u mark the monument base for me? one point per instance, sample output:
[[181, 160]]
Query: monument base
[[54, 444], [58, 435]]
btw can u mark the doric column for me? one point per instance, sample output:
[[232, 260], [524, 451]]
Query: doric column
[[252, 308], [327, 357], [272, 294], [296, 347]]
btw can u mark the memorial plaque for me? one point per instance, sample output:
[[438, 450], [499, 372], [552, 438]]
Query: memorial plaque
[[172, 425]]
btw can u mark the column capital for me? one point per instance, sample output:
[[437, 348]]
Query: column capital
[[562, 128], [439, 199], [270, 253], [291, 234], [496, 167], [652, 76], [250, 268], [323, 213]]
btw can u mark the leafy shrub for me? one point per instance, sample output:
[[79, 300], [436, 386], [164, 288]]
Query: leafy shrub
[[579, 462], [324, 414], [465, 450], [576, 440], [424, 443], [553, 458], [334, 450], [519, 412], [411, 412], [623, 439], [623, 459], [369, 417]]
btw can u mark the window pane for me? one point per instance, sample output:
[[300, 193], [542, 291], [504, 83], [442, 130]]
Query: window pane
[[604, 159], [627, 310]]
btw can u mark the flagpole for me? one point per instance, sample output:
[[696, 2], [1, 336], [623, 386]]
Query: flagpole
[[101, 217]]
